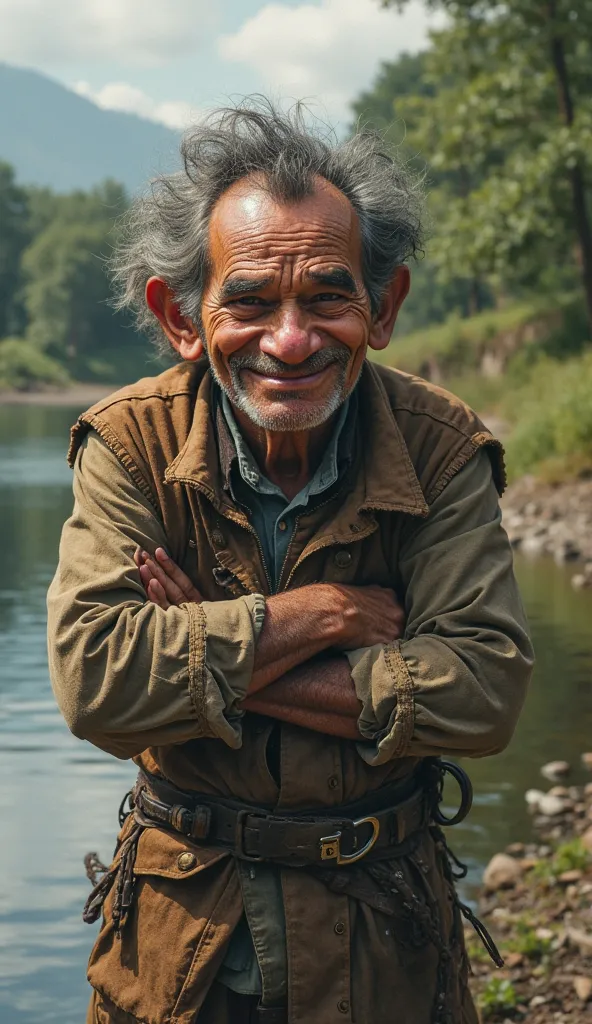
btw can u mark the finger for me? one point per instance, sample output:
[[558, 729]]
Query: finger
[[157, 595], [173, 593], [181, 579], [139, 556], [146, 576]]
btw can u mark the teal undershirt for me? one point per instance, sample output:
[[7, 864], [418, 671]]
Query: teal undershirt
[[273, 517]]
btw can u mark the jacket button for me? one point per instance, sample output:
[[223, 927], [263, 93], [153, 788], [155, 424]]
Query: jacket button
[[186, 861], [333, 781], [343, 1005], [218, 537], [339, 928], [342, 559]]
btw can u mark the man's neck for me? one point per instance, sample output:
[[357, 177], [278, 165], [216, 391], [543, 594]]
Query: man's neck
[[287, 458]]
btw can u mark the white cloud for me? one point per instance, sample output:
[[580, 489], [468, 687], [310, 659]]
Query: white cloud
[[328, 51], [144, 33], [125, 97]]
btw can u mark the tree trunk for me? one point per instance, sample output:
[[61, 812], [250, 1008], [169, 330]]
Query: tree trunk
[[582, 222]]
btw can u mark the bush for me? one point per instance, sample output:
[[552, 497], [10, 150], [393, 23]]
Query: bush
[[552, 416], [24, 368]]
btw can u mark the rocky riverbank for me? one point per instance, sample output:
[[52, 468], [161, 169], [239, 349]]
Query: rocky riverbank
[[556, 520], [537, 902]]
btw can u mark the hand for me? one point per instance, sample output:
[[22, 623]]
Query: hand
[[369, 615], [164, 582]]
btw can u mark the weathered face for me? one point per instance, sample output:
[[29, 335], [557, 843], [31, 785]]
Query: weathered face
[[285, 313]]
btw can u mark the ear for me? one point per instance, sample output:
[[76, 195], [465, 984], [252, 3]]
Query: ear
[[394, 297], [179, 329]]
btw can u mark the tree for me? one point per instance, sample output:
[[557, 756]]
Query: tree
[[66, 290], [521, 107], [14, 236]]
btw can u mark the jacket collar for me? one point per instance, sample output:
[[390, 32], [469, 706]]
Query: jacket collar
[[389, 481]]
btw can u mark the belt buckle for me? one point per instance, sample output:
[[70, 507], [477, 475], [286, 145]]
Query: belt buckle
[[331, 845], [240, 835]]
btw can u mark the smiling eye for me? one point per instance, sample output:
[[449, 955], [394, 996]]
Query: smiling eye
[[329, 297], [249, 300]]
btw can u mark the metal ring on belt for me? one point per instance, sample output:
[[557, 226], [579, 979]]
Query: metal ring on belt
[[466, 793]]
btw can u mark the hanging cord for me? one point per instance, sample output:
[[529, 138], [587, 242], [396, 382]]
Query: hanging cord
[[122, 873], [449, 859]]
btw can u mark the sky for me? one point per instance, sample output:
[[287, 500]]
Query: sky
[[172, 61]]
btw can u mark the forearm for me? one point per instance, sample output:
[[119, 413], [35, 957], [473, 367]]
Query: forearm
[[299, 625], [318, 695]]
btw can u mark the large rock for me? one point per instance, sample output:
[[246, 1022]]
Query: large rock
[[502, 872]]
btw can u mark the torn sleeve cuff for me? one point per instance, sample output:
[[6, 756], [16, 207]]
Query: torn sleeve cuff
[[384, 687], [222, 640]]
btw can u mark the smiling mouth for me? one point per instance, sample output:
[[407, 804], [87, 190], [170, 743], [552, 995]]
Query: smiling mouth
[[292, 381]]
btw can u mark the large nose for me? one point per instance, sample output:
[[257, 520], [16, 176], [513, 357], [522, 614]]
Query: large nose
[[290, 337]]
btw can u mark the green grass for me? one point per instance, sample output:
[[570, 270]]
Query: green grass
[[458, 345], [498, 996], [551, 416]]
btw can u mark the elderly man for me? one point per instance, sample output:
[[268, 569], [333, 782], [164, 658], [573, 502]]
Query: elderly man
[[284, 591]]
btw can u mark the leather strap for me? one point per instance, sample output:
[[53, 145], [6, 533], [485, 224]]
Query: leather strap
[[377, 827]]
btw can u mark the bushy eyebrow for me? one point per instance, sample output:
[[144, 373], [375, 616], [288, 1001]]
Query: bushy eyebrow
[[236, 286], [337, 278]]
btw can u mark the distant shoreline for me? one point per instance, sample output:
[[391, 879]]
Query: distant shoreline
[[81, 395]]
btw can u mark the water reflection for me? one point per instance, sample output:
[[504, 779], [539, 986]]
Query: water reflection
[[59, 797]]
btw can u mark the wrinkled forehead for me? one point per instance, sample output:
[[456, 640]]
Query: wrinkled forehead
[[248, 224]]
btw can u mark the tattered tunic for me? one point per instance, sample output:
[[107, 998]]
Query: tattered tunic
[[418, 511]]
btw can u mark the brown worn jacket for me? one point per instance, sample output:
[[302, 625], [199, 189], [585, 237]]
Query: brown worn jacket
[[415, 513]]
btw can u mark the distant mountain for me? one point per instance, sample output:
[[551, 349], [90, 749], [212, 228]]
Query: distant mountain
[[55, 138]]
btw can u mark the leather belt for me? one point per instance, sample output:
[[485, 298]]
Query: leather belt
[[379, 826]]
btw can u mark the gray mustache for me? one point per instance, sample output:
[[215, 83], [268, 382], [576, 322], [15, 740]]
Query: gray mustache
[[269, 366]]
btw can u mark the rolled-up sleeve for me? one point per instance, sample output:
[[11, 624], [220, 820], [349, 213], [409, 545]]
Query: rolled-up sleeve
[[457, 680], [126, 674]]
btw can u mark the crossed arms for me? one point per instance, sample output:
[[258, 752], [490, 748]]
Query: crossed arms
[[290, 682], [129, 675]]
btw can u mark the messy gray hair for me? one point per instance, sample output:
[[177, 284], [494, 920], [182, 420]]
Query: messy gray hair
[[165, 232]]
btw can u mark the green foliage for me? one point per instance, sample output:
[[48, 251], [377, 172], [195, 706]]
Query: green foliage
[[54, 292], [504, 118], [552, 417], [24, 368], [14, 236], [498, 996], [569, 856], [526, 941]]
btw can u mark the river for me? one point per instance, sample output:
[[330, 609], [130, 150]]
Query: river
[[59, 797]]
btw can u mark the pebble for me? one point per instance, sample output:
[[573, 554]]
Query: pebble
[[586, 839], [561, 791], [555, 770], [502, 872], [533, 798], [551, 805], [583, 987], [587, 760], [537, 1001]]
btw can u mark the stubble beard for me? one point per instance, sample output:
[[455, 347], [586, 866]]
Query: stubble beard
[[302, 414]]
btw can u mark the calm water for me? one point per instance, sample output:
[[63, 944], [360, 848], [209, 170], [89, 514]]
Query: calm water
[[50, 780]]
